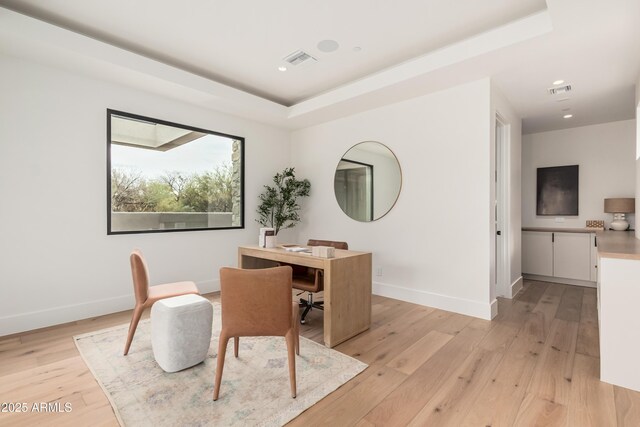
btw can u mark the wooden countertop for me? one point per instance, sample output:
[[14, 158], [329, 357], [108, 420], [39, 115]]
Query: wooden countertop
[[618, 244], [561, 230]]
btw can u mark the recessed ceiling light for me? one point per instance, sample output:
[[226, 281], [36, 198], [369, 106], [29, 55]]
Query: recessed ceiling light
[[558, 82], [566, 109], [282, 68], [567, 116], [357, 49], [328, 46]]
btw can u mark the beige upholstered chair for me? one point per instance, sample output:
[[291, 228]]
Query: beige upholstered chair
[[146, 296], [257, 303], [311, 280]]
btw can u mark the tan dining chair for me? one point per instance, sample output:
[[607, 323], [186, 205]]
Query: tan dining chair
[[311, 280], [147, 295], [257, 303]]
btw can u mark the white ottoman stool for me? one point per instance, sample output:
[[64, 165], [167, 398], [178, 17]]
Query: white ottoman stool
[[181, 331]]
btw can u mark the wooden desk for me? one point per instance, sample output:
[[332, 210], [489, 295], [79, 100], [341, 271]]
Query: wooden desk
[[347, 286]]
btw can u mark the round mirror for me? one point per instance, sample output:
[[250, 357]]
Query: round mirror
[[367, 181]]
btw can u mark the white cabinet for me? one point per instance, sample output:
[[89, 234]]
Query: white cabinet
[[537, 253], [572, 256], [566, 257], [618, 298]]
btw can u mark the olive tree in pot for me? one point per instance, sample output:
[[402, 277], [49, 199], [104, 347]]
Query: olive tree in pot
[[279, 206]]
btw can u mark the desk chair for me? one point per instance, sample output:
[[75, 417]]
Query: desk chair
[[257, 303], [311, 280], [146, 296]]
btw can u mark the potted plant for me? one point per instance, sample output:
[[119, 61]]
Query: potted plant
[[279, 206]]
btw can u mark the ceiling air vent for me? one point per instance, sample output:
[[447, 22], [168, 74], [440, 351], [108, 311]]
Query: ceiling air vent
[[559, 89], [298, 57]]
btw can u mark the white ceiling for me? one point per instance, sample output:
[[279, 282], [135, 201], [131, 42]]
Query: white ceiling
[[408, 48]]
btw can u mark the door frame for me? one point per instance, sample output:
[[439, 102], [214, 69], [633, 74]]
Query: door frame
[[502, 195]]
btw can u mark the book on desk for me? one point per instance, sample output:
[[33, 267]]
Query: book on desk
[[296, 248]]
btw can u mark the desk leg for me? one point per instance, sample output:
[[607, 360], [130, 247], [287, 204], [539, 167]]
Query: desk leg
[[347, 299]]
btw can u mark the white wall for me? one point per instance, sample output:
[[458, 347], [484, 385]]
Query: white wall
[[56, 261], [637, 153], [501, 106], [433, 247], [606, 156]]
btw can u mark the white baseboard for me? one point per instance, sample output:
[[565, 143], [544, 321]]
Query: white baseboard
[[494, 308], [516, 287], [69, 313], [443, 302], [575, 282], [208, 286]]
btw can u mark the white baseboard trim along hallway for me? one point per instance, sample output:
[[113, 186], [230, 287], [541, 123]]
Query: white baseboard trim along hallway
[[69, 313], [443, 302]]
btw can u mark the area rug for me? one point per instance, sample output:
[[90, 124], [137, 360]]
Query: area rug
[[255, 387]]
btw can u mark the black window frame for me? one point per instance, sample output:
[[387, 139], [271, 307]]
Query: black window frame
[[112, 112]]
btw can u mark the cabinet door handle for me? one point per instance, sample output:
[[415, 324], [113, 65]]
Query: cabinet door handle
[[553, 237], [595, 241]]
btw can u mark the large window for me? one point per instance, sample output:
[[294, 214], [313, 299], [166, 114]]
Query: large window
[[164, 176]]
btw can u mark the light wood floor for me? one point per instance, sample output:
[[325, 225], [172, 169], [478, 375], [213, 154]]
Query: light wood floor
[[535, 364]]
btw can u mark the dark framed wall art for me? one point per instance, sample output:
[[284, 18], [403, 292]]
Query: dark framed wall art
[[557, 191]]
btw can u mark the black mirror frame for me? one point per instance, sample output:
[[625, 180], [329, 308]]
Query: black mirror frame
[[399, 188]]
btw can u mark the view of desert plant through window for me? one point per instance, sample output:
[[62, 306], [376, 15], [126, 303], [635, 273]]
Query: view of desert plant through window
[[167, 177]]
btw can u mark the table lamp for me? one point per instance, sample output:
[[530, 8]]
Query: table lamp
[[619, 207]]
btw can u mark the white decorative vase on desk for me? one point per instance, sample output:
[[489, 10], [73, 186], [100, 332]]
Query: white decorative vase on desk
[[271, 241], [266, 233]]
